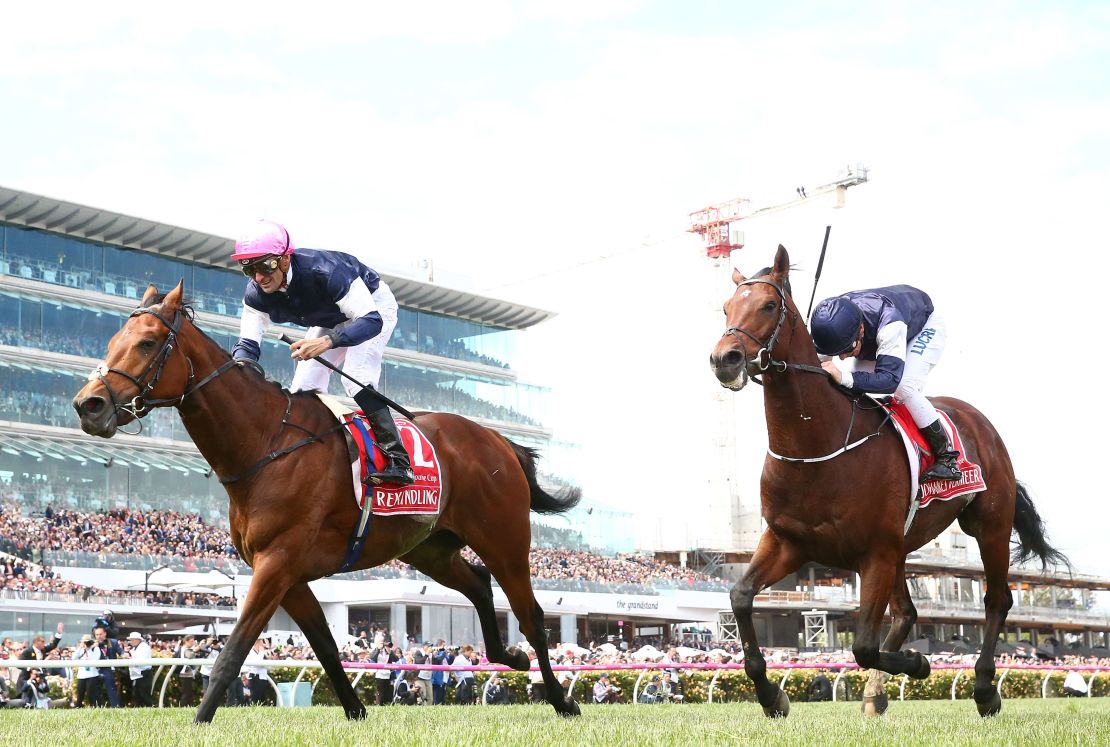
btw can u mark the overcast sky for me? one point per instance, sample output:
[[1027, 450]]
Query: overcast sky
[[550, 153]]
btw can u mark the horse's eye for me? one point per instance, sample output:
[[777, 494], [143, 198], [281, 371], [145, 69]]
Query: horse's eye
[[769, 306], [146, 345]]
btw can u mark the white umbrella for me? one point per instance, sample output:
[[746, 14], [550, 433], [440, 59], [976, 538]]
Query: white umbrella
[[607, 648], [685, 652], [647, 653], [571, 648]]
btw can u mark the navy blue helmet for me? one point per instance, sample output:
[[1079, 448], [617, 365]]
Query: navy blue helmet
[[835, 325]]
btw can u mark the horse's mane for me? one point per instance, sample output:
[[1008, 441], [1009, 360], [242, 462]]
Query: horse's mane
[[190, 313]]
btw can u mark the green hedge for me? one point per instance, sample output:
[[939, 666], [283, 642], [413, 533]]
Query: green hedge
[[733, 685]]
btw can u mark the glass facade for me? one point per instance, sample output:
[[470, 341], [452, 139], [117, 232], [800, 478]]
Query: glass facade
[[37, 320], [88, 265]]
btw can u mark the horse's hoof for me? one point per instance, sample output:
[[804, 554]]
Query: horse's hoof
[[991, 707], [780, 708], [923, 667], [357, 715], [570, 708], [875, 705], [517, 659]]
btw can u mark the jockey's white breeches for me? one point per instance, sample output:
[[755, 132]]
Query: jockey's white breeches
[[922, 353], [362, 361]]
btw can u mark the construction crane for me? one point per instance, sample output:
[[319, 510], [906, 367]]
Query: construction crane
[[714, 223]]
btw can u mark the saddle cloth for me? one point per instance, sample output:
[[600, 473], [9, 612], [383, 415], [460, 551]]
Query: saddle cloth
[[422, 497], [921, 458]]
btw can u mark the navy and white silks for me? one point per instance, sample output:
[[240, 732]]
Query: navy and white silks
[[334, 295], [903, 338]]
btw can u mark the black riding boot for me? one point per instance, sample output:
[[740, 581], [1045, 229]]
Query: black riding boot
[[944, 468], [399, 469]]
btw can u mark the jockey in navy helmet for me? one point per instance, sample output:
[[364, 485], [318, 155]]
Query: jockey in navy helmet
[[897, 330], [349, 311]]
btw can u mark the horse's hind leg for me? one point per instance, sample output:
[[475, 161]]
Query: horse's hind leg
[[304, 608], [514, 575], [773, 559], [438, 557], [904, 615], [993, 536]]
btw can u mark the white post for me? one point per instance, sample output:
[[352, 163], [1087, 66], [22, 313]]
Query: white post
[[513, 632], [398, 624], [568, 629]]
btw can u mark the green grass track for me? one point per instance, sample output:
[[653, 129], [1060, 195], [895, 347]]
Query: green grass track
[[1079, 721]]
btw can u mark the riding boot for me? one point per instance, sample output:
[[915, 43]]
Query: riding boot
[[944, 467], [399, 469]]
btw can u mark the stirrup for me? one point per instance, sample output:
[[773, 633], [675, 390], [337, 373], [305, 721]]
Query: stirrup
[[941, 471], [392, 475]]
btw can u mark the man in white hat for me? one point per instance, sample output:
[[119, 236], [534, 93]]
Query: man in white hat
[[142, 675]]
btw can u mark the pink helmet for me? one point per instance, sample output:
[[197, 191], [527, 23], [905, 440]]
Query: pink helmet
[[264, 238]]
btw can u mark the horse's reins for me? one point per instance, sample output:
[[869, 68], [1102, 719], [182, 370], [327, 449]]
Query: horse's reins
[[139, 406], [764, 361]]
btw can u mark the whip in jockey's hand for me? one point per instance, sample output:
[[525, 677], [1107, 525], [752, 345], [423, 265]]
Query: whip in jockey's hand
[[348, 309], [897, 329], [307, 349]]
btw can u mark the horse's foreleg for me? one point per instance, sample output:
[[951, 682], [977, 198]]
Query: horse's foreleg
[[878, 577], [904, 615], [773, 559], [272, 578], [304, 608]]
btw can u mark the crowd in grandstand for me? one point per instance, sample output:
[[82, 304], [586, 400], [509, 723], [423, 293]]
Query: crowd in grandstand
[[125, 532]]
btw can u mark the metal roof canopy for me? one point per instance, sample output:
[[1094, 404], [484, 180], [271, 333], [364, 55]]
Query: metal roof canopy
[[93, 224], [145, 456]]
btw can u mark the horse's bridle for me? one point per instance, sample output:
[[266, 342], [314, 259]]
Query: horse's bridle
[[763, 360], [140, 406]]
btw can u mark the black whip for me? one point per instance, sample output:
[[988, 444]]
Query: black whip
[[817, 277]]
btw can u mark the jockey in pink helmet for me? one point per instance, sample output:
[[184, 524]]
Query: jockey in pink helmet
[[348, 309]]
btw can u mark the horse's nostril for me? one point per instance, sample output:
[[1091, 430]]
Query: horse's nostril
[[91, 405], [732, 358]]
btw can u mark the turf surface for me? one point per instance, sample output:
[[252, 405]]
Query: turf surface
[[1022, 722]]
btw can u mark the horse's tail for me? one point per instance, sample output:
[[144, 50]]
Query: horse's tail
[[542, 501], [1032, 539]]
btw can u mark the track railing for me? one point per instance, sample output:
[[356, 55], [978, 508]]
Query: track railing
[[165, 667]]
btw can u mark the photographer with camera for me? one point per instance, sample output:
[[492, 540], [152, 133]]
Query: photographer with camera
[[498, 691], [88, 676], [670, 688], [107, 620], [35, 692], [408, 692], [604, 692]]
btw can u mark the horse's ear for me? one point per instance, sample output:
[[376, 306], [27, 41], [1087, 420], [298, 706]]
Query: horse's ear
[[172, 301], [781, 270], [737, 276], [151, 292]]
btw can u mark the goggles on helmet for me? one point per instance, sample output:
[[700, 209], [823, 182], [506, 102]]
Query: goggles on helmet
[[264, 265]]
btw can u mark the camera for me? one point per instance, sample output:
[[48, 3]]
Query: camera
[[88, 644]]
